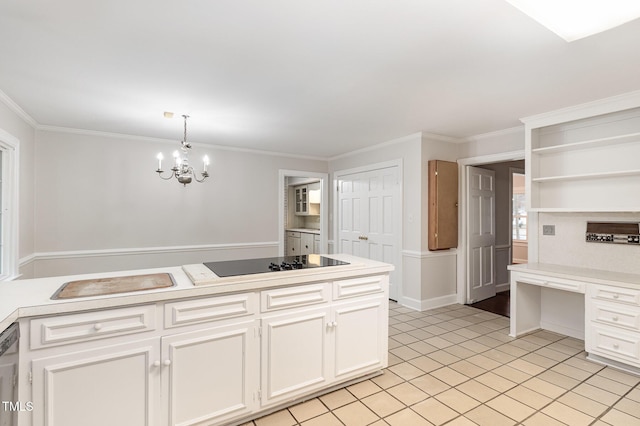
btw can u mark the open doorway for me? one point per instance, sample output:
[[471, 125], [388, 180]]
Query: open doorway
[[500, 255], [303, 212], [519, 222]]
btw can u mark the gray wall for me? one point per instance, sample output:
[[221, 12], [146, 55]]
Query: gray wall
[[97, 194], [17, 127]]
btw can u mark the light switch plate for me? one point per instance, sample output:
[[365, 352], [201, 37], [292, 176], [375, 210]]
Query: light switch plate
[[548, 230]]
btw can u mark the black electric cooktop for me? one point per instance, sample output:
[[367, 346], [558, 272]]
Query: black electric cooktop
[[231, 268]]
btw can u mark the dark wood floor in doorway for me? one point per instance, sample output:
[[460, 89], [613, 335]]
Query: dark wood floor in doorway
[[498, 304]]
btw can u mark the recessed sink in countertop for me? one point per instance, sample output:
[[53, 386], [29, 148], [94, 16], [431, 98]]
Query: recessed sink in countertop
[[113, 285]]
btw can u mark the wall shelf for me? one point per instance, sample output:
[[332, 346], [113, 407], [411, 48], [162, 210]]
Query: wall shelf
[[593, 143], [587, 176], [584, 165]]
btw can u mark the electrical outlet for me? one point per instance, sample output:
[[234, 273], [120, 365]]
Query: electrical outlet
[[548, 230]]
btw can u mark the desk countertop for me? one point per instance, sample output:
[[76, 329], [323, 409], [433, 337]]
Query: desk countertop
[[595, 276]]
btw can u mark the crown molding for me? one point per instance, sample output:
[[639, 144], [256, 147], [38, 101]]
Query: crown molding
[[588, 109], [5, 99], [497, 133], [408, 138], [97, 133]]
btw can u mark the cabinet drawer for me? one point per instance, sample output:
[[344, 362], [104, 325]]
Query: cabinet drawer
[[343, 289], [617, 294], [311, 294], [613, 344], [558, 283], [616, 315], [293, 234], [178, 314], [67, 329]]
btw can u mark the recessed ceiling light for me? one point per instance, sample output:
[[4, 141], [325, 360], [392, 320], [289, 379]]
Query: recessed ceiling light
[[576, 19]]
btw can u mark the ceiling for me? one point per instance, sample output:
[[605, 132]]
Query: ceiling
[[309, 77]]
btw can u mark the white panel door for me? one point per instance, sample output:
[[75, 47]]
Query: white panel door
[[210, 375], [481, 221], [368, 217]]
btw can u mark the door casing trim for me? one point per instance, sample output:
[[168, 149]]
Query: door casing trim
[[461, 272]]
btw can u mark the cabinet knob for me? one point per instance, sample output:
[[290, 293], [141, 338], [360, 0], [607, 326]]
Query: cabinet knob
[[615, 296], [167, 362], [97, 326], [156, 363], [616, 346], [615, 318]]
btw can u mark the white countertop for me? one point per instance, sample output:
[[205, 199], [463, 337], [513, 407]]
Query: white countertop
[[596, 276], [305, 230], [25, 298]]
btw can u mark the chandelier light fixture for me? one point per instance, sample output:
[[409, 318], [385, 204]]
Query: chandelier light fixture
[[181, 169]]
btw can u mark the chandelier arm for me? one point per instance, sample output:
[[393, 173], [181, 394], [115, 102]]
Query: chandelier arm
[[171, 176], [204, 176]]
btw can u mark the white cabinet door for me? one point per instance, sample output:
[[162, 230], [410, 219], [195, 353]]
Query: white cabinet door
[[316, 244], [306, 243], [210, 376], [113, 385], [293, 245], [294, 354], [360, 338]]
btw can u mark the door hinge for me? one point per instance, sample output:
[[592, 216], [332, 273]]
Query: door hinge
[[30, 377], [258, 332]]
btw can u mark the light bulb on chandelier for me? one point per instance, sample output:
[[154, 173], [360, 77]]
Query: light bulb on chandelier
[[181, 169]]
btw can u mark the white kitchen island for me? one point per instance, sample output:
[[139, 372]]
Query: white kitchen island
[[220, 352]]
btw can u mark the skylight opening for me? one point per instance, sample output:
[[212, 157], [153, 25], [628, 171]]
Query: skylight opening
[[576, 19]]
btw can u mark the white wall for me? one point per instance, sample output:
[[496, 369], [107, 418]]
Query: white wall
[[437, 268], [568, 245], [17, 127], [101, 206], [507, 140]]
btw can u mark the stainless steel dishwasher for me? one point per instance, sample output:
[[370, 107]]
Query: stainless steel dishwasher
[[9, 405]]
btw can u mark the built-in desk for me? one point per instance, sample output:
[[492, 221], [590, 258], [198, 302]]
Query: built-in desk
[[600, 307]]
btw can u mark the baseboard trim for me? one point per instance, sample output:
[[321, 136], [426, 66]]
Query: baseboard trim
[[562, 329], [423, 305]]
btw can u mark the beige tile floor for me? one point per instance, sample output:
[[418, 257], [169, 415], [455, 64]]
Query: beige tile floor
[[457, 366]]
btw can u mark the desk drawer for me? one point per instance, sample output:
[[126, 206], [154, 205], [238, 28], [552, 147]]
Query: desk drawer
[[617, 294], [616, 315], [293, 234], [552, 282], [292, 297], [616, 345], [76, 328]]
